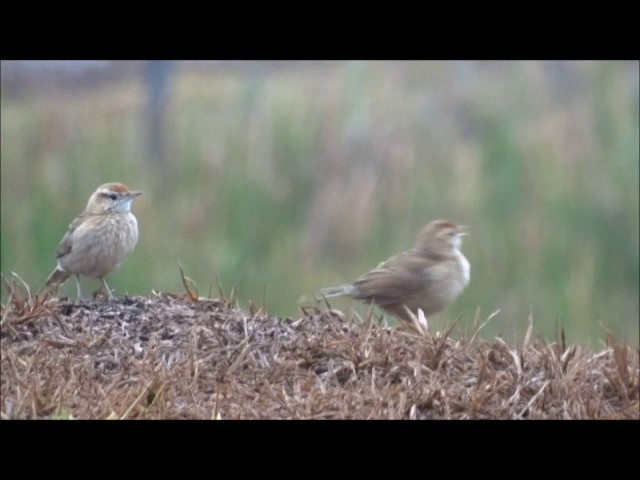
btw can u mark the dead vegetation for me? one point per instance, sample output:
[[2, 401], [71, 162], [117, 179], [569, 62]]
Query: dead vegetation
[[171, 356]]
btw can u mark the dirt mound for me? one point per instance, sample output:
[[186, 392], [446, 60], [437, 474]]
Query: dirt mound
[[172, 357]]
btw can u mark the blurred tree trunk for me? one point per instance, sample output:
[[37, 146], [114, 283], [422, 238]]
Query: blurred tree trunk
[[158, 75]]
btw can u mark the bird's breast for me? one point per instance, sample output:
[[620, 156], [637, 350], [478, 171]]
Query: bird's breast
[[465, 268], [444, 284]]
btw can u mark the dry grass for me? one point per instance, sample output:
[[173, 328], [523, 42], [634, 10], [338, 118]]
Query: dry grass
[[180, 356]]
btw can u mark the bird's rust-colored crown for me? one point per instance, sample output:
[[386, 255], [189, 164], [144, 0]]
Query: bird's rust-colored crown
[[116, 187], [442, 224]]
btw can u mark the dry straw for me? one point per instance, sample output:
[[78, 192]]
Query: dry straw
[[180, 356]]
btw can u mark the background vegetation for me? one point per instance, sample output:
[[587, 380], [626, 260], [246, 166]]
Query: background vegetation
[[284, 177]]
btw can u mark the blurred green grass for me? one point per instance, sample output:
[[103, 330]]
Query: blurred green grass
[[293, 178]]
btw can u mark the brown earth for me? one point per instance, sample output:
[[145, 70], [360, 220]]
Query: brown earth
[[173, 356]]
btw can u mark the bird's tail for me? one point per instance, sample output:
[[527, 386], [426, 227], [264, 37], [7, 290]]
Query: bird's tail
[[57, 278], [346, 289]]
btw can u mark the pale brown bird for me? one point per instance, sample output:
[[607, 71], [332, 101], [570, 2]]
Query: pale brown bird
[[429, 276], [98, 240]]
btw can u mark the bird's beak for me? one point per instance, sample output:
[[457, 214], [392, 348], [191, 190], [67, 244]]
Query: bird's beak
[[134, 194], [463, 230]]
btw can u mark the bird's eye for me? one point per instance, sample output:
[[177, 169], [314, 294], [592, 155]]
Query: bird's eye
[[113, 196]]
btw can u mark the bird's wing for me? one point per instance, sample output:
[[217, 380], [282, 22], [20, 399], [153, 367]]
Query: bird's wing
[[65, 244], [395, 280]]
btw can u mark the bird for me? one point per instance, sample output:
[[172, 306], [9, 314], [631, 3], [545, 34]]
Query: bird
[[429, 276], [98, 239]]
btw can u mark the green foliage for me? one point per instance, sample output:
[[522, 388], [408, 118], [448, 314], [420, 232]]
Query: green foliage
[[289, 180]]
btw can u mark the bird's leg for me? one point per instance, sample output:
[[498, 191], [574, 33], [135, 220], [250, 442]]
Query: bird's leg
[[104, 282], [78, 287]]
